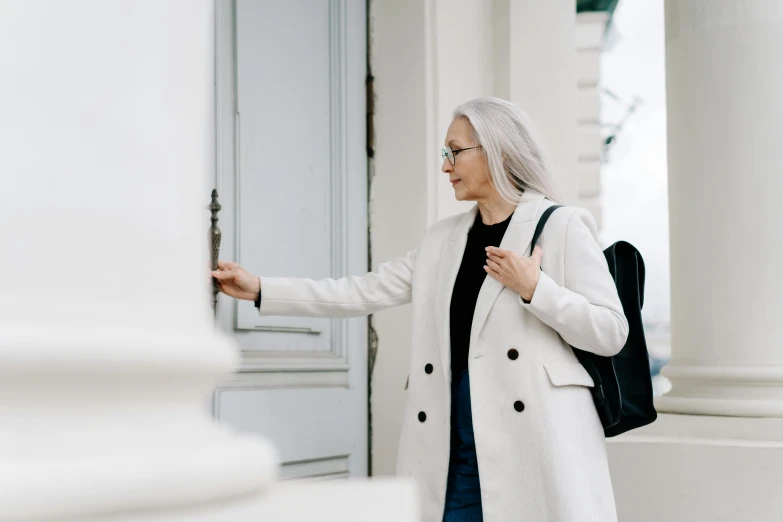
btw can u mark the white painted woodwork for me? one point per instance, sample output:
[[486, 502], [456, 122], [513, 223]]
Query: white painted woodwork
[[589, 179], [590, 35], [292, 174]]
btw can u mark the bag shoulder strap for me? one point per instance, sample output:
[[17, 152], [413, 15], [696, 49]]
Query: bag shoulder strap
[[541, 223]]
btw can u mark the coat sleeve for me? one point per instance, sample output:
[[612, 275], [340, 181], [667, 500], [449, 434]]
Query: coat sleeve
[[587, 312], [351, 296]]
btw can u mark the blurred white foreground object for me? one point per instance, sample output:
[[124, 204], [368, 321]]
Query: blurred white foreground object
[[107, 348]]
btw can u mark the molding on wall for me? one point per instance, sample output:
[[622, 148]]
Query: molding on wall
[[326, 468]]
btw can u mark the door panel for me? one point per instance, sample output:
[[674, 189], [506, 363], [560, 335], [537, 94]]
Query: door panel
[[285, 134], [291, 172]]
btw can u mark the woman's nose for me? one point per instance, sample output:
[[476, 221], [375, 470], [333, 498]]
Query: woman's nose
[[447, 166]]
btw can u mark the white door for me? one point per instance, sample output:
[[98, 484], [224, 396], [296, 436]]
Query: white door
[[292, 179]]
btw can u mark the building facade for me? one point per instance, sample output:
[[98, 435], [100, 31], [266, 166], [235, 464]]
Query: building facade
[[319, 126]]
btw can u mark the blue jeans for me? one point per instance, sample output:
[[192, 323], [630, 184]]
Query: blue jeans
[[463, 490]]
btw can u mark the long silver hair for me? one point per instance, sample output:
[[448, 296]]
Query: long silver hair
[[507, 137]]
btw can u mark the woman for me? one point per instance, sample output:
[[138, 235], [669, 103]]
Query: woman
[[499, 424]]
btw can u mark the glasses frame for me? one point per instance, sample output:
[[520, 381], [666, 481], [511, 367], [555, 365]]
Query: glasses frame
[[451, 155]]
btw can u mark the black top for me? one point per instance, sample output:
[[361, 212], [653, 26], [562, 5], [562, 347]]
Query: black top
[[466, 288]]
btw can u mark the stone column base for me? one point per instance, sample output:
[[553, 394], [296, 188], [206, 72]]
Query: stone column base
[[689, 468]]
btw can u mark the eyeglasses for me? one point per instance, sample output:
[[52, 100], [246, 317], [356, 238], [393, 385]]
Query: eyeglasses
[[451, 155]]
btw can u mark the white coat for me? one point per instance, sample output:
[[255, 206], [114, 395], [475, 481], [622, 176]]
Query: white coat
[[546, 463]]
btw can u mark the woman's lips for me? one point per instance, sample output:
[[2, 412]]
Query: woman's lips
[[454, 182]]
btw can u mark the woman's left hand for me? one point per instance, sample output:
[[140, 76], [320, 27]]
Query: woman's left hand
[[514, 271]]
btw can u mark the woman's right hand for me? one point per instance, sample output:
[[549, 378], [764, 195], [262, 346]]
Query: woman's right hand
[[235, 281]]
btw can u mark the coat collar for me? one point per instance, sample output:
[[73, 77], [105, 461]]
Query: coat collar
[[527, 209], [517, 238]]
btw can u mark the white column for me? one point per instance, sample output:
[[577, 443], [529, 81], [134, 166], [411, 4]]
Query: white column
[[724, 78], [716, 451], [107, 349], [535, 67]]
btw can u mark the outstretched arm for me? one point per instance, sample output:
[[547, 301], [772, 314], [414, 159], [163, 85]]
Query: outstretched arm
[[350, 296]]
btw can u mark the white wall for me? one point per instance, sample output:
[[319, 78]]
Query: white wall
[[464, 71], [400, 197], [543, 81]]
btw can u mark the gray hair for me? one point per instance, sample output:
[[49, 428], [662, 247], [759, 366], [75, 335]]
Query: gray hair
[[507, 137]]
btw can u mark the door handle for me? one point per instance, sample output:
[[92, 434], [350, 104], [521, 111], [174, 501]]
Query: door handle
[[214, 246]]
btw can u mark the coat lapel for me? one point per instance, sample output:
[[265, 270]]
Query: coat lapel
[[450, 260], [517, 238]]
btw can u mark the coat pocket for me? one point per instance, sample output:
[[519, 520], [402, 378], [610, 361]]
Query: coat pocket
[[564, 373]]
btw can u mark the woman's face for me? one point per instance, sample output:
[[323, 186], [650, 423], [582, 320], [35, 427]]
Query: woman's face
[[469, 176]]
